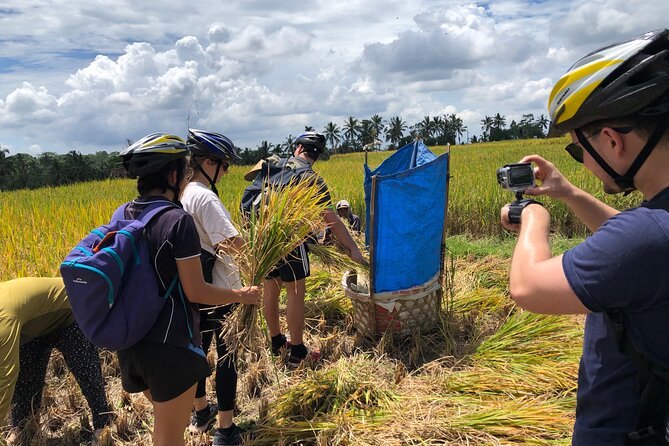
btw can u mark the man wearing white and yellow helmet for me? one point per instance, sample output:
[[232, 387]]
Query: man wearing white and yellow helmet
[[614, 103]]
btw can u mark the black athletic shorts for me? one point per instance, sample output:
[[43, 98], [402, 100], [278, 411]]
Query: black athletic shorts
[[293, 267], [166, 370]]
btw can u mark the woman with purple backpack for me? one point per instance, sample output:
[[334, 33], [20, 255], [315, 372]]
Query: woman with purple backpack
[[169, 362]]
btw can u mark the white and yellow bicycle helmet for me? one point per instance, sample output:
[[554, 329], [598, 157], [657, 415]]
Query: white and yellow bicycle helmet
[[151, 153], [628, 78]]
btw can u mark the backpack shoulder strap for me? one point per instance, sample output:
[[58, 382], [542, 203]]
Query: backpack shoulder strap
[[152, 210], [119, 213]]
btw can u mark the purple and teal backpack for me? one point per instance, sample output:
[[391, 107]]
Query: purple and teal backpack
[[111, 283]]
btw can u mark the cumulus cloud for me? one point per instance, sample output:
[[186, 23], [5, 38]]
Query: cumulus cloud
[[29, 103], [458, 38], [262, 70], [590, 25]]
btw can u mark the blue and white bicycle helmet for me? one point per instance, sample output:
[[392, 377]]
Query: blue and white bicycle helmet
[[211, 145], [204, 144], [312, 141]]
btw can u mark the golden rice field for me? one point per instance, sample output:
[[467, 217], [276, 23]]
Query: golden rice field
[[490, 374]]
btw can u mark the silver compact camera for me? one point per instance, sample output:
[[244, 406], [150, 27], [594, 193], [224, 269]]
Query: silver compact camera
[[516, 177]]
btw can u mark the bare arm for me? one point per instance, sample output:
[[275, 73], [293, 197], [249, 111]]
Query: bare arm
[[592, 212], [199, 291], [537, 281], [342, 234], [230, 246]]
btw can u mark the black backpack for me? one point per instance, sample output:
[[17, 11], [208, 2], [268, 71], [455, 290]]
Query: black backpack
[[277, 172]]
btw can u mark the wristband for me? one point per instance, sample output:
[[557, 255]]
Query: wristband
[[516, 208]]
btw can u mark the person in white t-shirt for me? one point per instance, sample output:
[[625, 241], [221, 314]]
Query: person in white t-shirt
[[211, 154]]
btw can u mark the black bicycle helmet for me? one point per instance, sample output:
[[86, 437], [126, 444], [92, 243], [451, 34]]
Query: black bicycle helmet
[[211, 145], [625, 79], [312, 141], [619, 80], [151, 153]]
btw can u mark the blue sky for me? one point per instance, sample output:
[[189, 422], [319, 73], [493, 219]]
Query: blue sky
[[89, 74]]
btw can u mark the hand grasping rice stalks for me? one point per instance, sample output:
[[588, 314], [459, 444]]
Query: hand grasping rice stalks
[[284, 220]]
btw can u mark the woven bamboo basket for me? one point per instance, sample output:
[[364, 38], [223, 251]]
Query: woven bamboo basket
[[404, 311]]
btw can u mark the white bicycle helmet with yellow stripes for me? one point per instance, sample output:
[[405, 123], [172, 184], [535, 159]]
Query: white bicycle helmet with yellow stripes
[[629, 78], [151, 153]]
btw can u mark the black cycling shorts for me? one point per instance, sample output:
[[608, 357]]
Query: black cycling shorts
[[166, 370], [293, 267]]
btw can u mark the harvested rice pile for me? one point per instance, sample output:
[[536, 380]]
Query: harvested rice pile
[[491, 374]]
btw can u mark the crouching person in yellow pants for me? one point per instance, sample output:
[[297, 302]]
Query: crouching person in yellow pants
[[35, 317]]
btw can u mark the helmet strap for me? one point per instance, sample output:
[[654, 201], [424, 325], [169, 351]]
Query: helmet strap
[[626, 182], [211, 181], [598, 159], [645, 152], [177, 188]]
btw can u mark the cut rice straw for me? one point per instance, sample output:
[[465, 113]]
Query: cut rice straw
[[334, 258], [284, 220]]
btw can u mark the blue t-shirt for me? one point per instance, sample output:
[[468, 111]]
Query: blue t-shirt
[[622, 265]]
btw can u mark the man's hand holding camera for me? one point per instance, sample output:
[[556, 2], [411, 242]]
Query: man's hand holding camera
[[519, 178]]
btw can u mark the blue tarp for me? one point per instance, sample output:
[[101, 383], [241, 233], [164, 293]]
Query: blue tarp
[[410, 208]]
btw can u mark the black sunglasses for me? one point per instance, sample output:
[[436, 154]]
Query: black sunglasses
[[575, 150]]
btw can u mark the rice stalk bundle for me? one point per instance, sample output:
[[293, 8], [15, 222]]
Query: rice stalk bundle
[[285, 219], [333, 257], [330, 404], [530, 338], [473, 419], [551, 377], [354, 386]]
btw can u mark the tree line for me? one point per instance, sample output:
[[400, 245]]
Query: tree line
[[24, 171]]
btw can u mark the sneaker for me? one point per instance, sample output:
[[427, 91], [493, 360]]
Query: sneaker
[[294, 359], [279, 344], [228, 437], [202, 420]]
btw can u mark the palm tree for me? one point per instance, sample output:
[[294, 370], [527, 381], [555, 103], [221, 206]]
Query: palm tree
[[499, 121], [442, 129], [351, 130], [366, 132], [332, 134], [486, 126], [543, 123], [288, 144], [77, 167], [457, 127], [395, 130], [264, 149], [377, 125], [426, 128], [498, 125]]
